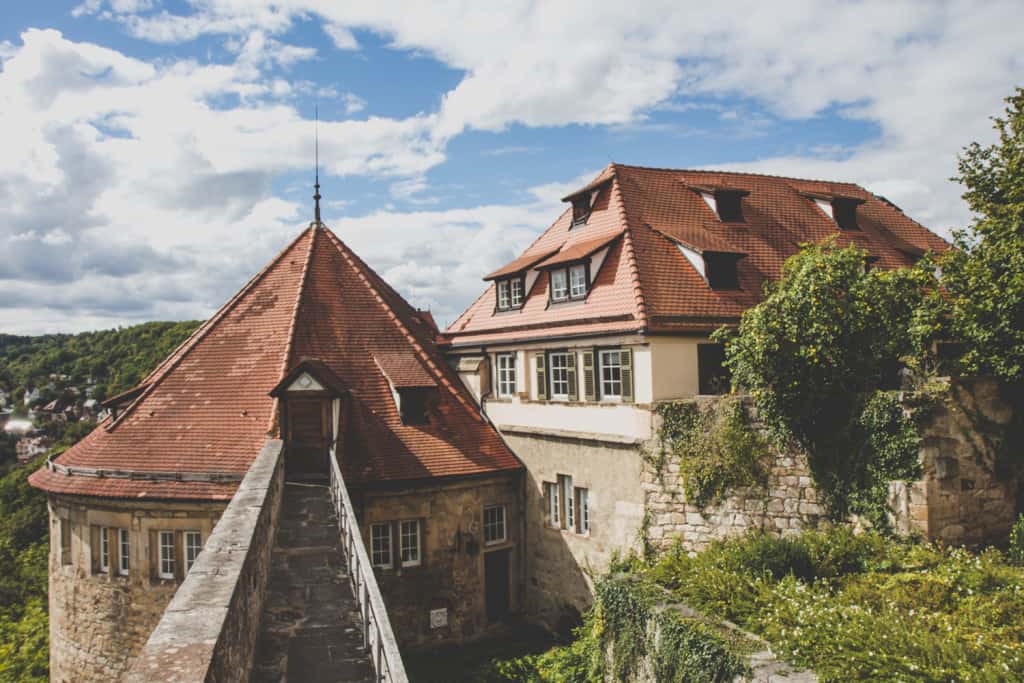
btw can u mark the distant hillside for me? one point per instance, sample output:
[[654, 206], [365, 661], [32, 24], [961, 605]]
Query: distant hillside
[[112, 360]]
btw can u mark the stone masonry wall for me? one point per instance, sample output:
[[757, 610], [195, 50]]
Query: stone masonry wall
[[99, 621], [451, 573], [209, 630], [963, 497]]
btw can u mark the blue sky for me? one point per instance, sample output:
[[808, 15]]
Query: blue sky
[[158, 153]]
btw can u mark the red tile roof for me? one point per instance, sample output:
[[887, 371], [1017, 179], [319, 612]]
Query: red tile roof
[[206, 408], [646, 283]]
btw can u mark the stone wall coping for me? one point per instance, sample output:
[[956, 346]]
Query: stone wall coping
[[182, 647]]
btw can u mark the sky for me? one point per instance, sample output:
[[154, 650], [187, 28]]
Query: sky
[[154, 155]]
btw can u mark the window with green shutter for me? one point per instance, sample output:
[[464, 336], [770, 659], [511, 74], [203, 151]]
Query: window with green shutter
[[626, 371], [570, 375], [542, 377], [589, 386]]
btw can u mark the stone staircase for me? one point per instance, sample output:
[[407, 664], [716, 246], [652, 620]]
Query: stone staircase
[[310, 629]]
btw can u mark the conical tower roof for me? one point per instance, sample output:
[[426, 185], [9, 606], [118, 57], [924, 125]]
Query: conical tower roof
[[196, 423]]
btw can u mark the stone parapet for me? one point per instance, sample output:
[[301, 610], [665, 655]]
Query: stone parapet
[[208, 631]]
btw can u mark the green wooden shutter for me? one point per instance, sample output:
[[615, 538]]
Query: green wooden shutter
[[570, 374], [542, 377], [589, 389], [626, 359]]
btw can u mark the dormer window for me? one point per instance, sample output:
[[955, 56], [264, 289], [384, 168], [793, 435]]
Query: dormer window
[[721, 270], [412, 405], [729, 204], [510, 293], [580, 209], [844, 212], [569, 283]]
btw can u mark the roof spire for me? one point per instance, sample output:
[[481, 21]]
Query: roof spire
[[316, 156]]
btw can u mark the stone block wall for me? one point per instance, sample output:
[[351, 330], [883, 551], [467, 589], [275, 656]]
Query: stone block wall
[[209, 630], [450, 576]]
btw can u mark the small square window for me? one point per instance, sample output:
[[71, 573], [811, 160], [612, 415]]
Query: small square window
[[844, 212], [506, 374], [729, 205], [193, 546], [380, 545], [410, 543], [516, 294], [503, 295], [412, 405], [578, 281], [494, 525], [721, 270], [559, 285], [167, 558]]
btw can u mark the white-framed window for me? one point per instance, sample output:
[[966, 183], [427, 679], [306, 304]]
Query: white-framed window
[[565, 484], [166, 559], [558, 370], [380, 545], [583, 511], [193, 546], [123, 552], [516, 292], [559, 285], [494, 525], [611, 374], [104, 549], [577, 281], [506, 374], [410, 543], [554, 506], [503, 294]]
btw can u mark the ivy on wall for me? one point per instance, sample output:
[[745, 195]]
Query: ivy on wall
[[715, 446]]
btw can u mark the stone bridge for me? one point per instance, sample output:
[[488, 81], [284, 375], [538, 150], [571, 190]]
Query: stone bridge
[[283, 591]]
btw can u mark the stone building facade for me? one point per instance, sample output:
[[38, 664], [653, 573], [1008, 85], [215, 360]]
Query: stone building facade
[[101, 616]]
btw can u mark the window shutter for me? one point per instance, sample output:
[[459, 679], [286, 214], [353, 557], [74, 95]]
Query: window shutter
[[542, 377], [94, 548], [626, 359], [589, 392], [570, 375], [154, 554], [179, 556]]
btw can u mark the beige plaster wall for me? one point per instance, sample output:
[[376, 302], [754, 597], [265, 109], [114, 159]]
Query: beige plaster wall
[[451, 575], [674, 367], [99, 622]]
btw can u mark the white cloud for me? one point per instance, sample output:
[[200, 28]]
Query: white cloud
[[353, 103], [342, 37]]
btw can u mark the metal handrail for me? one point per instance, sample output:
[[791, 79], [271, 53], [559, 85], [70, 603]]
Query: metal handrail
[[377, 634]]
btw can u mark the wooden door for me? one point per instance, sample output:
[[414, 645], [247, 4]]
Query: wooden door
[[307, 447], [497, 583]]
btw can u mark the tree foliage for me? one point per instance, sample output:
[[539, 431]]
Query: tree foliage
[[817, 352], [984, 278]]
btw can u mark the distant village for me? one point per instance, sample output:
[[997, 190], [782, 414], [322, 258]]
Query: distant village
[[38, 417]]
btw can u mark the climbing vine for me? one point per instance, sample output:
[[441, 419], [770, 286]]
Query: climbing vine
[[715, 446], [821, 356]]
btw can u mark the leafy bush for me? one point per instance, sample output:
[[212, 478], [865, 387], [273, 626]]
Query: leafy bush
[[715, 446], [1016, 550]]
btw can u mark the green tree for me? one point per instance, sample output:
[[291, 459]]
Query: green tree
[[984, 279]]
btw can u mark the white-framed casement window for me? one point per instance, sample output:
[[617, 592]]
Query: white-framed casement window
[[558, 370], [559, 285], [611, 374], [166, 557], [494, 525], [503, 294], [380, 545], [582, 511], [104, 549], [506, 374], [193, 546], [123, 552], [568, 500], [554, 505], [577, 281], [410, 543], [516, 292]]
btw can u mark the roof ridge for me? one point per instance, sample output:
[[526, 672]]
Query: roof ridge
[[739, 173], [286, 356], [627, 246], [358, 265], [179, 354]]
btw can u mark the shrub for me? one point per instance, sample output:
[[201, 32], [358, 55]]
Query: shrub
[[1016, 550]]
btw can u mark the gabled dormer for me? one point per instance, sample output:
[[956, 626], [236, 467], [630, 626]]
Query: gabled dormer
[[573, 269], [583, 201], [513, 282]]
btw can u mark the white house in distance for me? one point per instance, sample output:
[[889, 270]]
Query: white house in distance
[[610, 310]]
